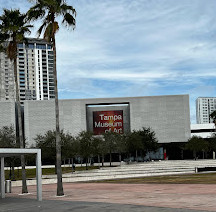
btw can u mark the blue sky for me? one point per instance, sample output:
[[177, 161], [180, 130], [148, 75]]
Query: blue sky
[[136, 48]]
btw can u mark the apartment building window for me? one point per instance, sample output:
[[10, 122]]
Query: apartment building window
[[30, 46], [20, 45], [40, 46]]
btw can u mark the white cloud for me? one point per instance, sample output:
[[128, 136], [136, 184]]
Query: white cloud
[[139, 47]]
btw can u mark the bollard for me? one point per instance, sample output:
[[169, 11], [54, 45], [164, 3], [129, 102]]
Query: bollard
[[7, 186]]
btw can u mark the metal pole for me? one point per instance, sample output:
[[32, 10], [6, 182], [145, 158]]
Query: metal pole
[[39, 173], [2, 175]]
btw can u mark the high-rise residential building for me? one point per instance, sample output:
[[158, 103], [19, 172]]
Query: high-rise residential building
[[204, 107], [34, 72]]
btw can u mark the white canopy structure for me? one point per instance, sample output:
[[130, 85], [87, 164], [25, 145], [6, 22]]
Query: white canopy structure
[[9, 152]]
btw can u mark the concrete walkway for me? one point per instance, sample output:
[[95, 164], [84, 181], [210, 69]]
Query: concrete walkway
[[115, 197], [26, 205], [104, 197]]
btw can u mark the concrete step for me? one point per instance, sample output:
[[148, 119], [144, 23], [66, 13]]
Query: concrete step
[[158, 168]]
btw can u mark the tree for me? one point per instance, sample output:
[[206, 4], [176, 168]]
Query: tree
[[212, 143], [49, 11], [97, 147], [7, 137], [8, 140], [70, 148], [121, 145], [213, 117], [110, 139], [13, 27], [85, 140], [142, 141], [149, 140], [197, 144], [134, 143], [47, 145]]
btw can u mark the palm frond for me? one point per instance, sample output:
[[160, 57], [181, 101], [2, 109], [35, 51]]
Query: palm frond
[[42, 27], [2, 48], [25, 40], [69, 20], [35, 12], [3, 37], [68, 9], [50, 9], [13, 27], [50, 31], [3, 43]]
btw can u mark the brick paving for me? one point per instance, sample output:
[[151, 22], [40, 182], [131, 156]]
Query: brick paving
[[197, 197]]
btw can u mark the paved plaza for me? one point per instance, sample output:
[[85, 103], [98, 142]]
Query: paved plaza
[[115, 197]]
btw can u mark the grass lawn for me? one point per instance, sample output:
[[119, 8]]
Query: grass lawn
[[31, 173], [204, 178]]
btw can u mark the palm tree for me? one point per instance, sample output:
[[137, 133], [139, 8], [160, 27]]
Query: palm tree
[[48, 11], [213, 116], [13, 27]]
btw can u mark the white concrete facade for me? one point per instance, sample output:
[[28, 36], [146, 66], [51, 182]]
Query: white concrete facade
[[7, 114], [168, 116]]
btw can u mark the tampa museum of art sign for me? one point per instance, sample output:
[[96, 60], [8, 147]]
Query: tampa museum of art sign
[[107, 121]]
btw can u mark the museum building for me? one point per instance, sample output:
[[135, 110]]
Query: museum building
[[168, 116]]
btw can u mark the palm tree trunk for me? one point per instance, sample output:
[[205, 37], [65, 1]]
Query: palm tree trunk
[[60, 191], [21, 138]]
